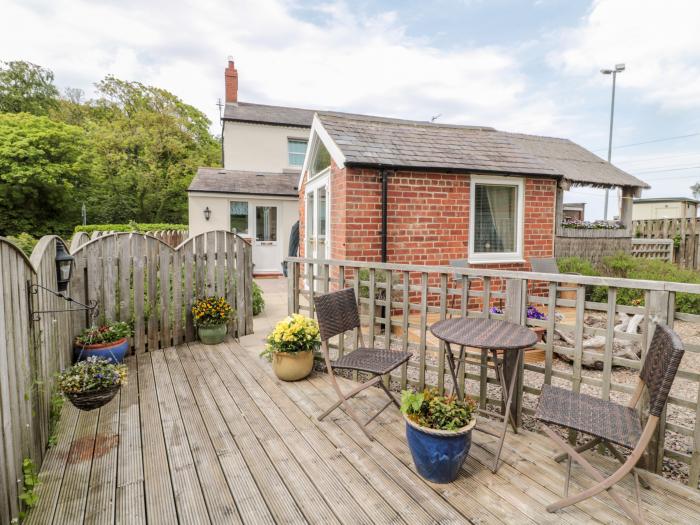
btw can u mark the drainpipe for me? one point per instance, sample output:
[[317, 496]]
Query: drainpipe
[[384, 174]]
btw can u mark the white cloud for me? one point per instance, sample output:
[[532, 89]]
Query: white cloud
[[345, 61], [659, 42]]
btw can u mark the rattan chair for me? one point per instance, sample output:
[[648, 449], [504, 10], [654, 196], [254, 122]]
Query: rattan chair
[[612, 424], [337, 313]]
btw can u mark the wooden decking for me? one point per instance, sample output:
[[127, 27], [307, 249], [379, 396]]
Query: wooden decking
[[208, 435]]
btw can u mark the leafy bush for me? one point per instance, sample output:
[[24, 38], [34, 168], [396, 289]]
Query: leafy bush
[[24, 242], [379, 277], [130, 227], [576, 265], [91, 375], [106, 333], [212, 311], [296, 333], [626, 266], [258, 300], [431, 410]]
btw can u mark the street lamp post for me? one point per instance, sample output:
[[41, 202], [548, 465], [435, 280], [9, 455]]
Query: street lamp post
[[619, 68]]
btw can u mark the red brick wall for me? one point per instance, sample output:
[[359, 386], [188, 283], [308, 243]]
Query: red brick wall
[[428, 216]]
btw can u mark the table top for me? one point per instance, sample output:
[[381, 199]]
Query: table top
[[489, 334]]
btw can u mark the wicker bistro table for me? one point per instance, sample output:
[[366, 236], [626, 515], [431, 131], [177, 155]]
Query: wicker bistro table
[[490, 336]]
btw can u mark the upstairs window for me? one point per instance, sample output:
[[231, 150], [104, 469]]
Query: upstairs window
[[496, 219], [296, 149]]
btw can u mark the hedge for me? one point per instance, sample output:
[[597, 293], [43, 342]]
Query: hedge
[[131, 227]]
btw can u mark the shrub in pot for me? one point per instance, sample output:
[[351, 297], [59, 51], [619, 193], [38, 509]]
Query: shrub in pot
[[438, 431], [211, 316], [108, 341], [290, 347], [92, 383]]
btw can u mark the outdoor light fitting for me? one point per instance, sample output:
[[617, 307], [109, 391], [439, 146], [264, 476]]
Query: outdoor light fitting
[[64, 266], [207, 213]]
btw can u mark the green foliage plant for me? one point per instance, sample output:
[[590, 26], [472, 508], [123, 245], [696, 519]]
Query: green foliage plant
[[576, 265], [24, 242], [30, 482], [57, 401], [130, 227], [106, 333], [258, 300], [26, 88], [429, 409]]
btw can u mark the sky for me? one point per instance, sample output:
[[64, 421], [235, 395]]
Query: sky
[[530, 66]]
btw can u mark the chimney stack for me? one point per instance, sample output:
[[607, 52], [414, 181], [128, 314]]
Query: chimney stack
[[231, 77]]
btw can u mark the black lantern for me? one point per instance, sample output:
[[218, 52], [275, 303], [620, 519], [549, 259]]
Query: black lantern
[[64, 266], [207, 213]]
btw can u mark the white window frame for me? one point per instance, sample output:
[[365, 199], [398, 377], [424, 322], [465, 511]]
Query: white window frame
[[498, 257], [311, 189], [296, 139], [242, 234]]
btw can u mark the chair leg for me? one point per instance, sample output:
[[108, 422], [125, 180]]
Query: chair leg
[[568, 475], [588, 444], [604, 484], [388, 393], [618, 455]]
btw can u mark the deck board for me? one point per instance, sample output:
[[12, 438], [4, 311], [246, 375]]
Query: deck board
[[204, 434]]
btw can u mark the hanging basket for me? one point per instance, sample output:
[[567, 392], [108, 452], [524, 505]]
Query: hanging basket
[[92, 399]]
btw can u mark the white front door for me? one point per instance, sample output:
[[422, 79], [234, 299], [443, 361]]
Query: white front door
[[267, 246]]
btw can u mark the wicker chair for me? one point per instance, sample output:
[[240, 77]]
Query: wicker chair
[[337, 313], [612, 424]]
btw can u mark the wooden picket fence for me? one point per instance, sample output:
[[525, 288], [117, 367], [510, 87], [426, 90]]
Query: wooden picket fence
[[421, 295], [132, 277], [685, 233], [171, 237], [138, 278]]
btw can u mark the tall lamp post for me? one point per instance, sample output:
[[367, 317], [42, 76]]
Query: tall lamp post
[[619, 68]]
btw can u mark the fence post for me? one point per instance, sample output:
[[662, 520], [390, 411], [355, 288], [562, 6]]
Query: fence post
[[657, 313], [515, 312], [292, 287]]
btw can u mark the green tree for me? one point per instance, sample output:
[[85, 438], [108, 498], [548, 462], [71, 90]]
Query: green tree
[[695, 188], [43, 166], [148, 146], [26, 87]]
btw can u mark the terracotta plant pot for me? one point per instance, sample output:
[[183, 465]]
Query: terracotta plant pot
[[212, 335], [292, 366], [438, 454], [114, 351]]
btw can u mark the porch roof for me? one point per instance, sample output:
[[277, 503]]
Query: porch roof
[[219, 180]]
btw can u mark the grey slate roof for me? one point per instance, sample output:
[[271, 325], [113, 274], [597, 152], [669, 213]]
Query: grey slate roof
[[398, 143], [261, 113], [578, 165], [219, 180]]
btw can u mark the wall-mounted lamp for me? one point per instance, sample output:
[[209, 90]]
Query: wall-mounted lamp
[[207, 213], [64, 266]]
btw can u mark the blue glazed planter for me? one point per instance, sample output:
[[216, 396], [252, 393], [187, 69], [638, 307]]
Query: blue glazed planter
[[115, 351], [438, 454]]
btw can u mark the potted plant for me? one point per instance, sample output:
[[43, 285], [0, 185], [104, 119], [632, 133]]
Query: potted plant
[[108, 341], [211, 316], [290, 347], [438, 431], [92, 383]]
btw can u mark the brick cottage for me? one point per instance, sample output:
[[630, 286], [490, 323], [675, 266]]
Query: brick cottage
[[398, 191]]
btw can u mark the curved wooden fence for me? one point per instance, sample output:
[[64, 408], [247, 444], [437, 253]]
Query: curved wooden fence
[[132, 277]]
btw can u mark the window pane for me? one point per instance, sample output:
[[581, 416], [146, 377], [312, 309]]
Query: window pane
[[322, 211], [266, 223], [495, 218], [296, 150], [239, 216], [322, 159], [310, 214]]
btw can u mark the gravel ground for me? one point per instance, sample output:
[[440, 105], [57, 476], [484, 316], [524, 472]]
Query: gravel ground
[[682, 388]]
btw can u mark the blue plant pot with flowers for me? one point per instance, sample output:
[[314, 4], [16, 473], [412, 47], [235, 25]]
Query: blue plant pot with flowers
[[438, 454], [109, 341]]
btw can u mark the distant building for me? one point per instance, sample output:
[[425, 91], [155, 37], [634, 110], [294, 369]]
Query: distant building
[[574, 211], [664, 208]]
